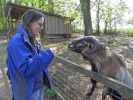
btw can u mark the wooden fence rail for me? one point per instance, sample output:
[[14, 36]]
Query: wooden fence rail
[[109, 82]]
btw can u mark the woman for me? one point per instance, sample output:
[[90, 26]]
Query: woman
[[27, 62]]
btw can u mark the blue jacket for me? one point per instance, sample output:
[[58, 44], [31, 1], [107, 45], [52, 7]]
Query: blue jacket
[[27, 65]]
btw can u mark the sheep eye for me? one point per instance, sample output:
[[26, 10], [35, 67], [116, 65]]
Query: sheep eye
[[79, 44]]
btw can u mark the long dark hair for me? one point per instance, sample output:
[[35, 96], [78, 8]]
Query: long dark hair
[[31, 16]]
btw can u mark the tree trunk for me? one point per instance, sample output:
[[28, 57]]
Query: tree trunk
[[110, 26], [0, 8], [115, 26], [85, 8], [105, 27], [51, 6], [2, 15], [98, 17]]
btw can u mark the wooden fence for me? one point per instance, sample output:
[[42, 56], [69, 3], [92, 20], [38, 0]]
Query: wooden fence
[[71, 80], [62, 70]]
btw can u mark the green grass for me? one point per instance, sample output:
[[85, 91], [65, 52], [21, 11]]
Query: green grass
[[119, 31], [126, 31], [130, 31]]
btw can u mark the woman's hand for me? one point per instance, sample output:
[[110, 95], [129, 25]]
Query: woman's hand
[[53, 50]]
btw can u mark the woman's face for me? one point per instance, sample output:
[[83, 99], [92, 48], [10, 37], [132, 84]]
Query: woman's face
[[37, 26]]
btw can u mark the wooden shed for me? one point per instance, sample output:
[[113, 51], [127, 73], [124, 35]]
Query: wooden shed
[[55, 25]]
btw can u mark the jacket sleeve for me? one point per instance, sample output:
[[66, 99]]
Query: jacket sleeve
[[47, 58], [47, 80], [27, 63]]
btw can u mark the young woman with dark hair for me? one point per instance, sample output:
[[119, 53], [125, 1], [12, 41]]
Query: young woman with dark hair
[[27, 62]]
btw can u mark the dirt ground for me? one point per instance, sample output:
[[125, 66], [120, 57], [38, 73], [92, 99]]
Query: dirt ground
[[3, 94], [120, 44]]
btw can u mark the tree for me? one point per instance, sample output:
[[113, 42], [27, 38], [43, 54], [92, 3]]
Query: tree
[[98, 12], [112, 14], [3, 22], [85, 8], [119, 11], [130, 21], [50, 6]]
